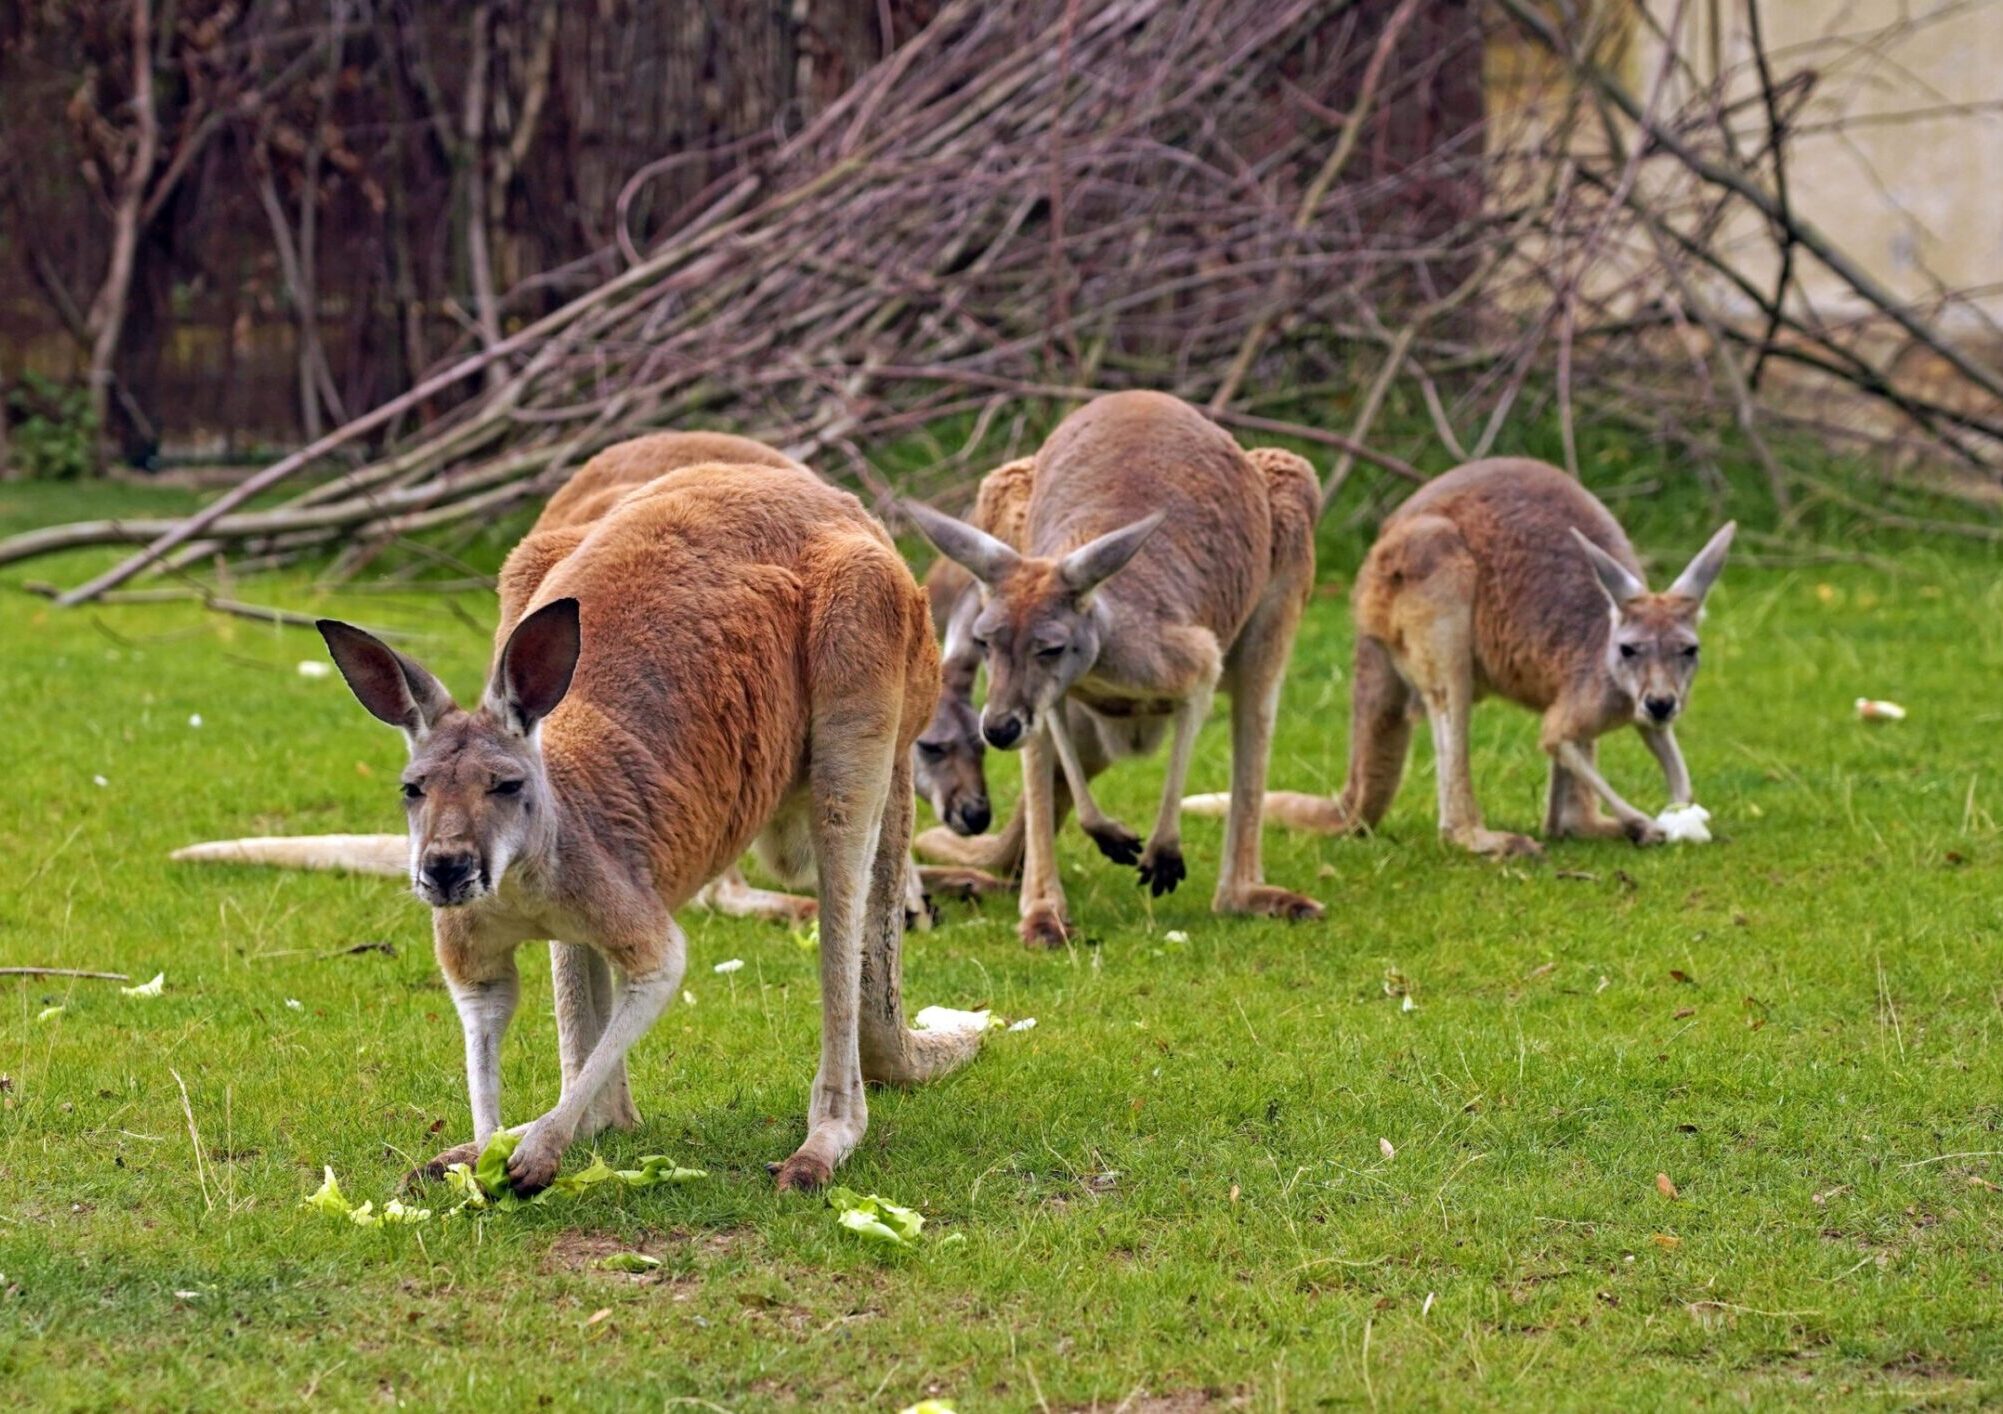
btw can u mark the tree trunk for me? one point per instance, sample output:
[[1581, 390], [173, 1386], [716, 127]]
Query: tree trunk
[[106, 320]]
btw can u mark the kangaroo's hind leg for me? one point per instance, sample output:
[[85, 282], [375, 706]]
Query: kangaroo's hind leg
[[1432, 619], [1254, 676], [892, 1053]]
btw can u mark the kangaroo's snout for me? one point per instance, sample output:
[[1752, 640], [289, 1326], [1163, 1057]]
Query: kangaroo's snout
[[969, 816], [1003, 732], [1660, 709], [446, 878]]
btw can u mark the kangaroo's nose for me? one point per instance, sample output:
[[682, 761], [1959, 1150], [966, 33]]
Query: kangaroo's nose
[[1002, 732], [1660, 708], [970, 817], [446, 872]]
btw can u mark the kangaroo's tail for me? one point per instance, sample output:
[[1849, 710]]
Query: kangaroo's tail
[[1380, 732], [387, 855], [1289, 809]]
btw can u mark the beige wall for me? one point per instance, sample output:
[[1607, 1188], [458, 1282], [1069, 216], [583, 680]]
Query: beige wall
[[1899, 157]]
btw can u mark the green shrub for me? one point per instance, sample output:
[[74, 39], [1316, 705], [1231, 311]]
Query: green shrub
[[52, 435]]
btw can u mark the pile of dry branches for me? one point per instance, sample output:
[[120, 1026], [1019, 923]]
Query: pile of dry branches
[[1032, 199]]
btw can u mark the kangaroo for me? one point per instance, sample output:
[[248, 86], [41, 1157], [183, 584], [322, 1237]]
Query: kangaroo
[[732, 654], [949, 763], [1508, 577], [1001, 510], [598, 486], [1136, 619]]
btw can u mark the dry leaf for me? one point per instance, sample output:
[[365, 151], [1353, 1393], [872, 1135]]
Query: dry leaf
[[596, 1316], [1234, 1193], [1666, 1241], [1665, 1187], [1388, 1151]]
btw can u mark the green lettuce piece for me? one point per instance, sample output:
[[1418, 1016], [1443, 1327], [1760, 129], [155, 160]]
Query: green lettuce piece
[[629, 1262], [50, 1013], [876, 1217], [929, 1406], [365, 1215], [491, 1170], [148, 989], [396, 1213], [328, 1198], [657, 1169], [471, 1195]]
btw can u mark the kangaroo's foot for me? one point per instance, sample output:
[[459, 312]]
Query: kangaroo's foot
[[1498, 844], [610, 1111], [1162, 867], [803, 1173], [1045, 926], [433, 1169], [1270, 902], [1115, 841]]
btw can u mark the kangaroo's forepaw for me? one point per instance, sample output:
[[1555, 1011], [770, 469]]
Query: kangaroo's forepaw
[[1044, 927], [433, 1169], [1115, 841], [1269, 902], [1644, 831], [803, 1173], [533, 1165], [1162, 868]]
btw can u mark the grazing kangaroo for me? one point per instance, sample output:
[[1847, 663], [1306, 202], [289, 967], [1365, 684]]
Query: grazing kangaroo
[[598, 486], [1134, 620], [732, 655], [949, 763], [1508, 577], [1001, 509]]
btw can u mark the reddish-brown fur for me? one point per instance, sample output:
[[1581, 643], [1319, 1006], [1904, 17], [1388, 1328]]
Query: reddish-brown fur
[[755, 664], [1477, 586], [1200, 596]]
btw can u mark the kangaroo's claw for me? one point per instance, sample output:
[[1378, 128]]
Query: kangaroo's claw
[[1115, 841], [1162, 869]]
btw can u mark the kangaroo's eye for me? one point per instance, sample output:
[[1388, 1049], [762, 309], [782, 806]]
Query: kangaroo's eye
[[505, 788], [1691, 652], [931, 750], [1050, 654], [978, 641], [412, 791], [1628, 650]]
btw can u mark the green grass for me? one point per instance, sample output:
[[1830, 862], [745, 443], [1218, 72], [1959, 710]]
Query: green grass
[[1172, 1191]]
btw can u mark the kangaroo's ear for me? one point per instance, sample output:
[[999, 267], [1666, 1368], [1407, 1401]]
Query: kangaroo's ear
[[1097, 561], [536, 666], [977, 552], [393, 688], [1617, 581], [1701, 573]]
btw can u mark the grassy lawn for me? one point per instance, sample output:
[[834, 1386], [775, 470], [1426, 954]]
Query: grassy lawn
[[1229, 1168]]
